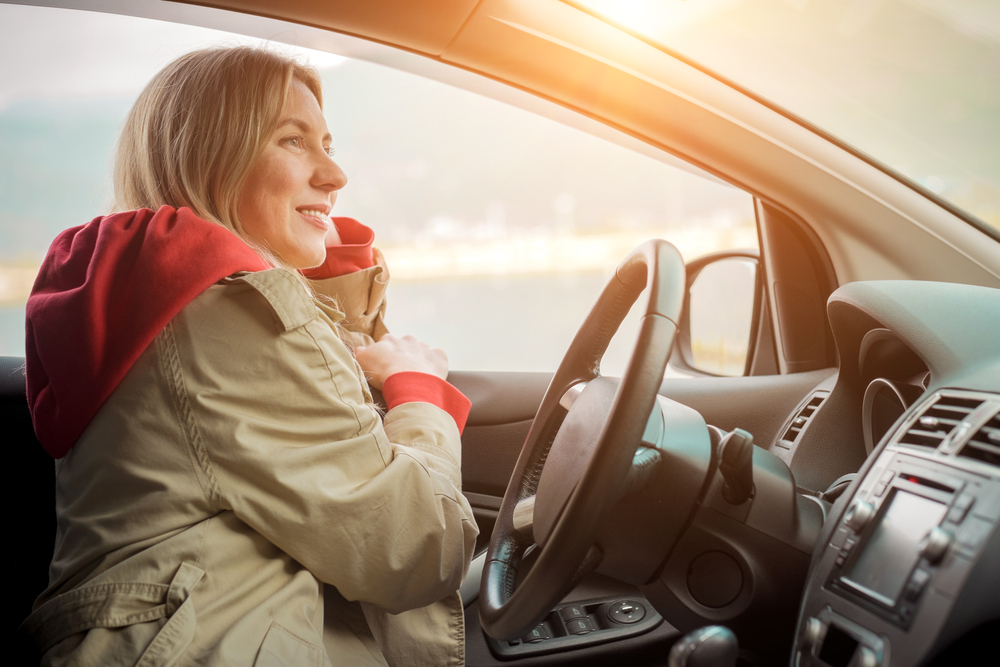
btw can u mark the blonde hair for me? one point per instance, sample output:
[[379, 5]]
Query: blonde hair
[[198, 127]]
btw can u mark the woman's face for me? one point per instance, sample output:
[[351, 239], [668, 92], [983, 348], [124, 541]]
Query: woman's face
[[286, 201]]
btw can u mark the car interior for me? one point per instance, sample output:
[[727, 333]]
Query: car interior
[[834, 502]]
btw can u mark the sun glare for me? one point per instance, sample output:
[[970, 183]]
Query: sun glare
[[657, 18]]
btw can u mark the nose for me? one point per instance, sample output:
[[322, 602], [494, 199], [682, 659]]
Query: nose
[[328, 176]]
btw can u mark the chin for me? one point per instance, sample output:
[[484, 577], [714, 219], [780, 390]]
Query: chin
[[310, 261]]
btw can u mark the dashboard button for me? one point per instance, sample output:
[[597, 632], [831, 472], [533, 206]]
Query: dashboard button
[[917, 584], [961, 507], [965, 501], [974, 533], [626, 611]]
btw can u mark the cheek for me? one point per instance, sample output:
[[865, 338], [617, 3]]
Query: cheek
[[263, 197]]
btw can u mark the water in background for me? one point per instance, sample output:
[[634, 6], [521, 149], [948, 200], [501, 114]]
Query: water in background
[[544, 311], [12, 331], [541, 315]]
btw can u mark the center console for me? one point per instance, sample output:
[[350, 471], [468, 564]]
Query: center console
[[903, 558]]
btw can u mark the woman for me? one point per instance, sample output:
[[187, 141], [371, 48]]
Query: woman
[[227, 492]]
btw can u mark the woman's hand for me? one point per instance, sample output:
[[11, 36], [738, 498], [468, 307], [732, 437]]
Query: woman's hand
[[392, 354]]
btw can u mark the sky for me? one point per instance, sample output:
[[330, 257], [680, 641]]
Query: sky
[[83, 52]]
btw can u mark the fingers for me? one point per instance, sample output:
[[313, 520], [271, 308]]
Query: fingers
[[397, 354]]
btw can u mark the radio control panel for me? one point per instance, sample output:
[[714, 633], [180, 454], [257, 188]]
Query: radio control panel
[[896, 562]]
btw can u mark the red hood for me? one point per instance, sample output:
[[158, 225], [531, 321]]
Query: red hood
[[103, 293]]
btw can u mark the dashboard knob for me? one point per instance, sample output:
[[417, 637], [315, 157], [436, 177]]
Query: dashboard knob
[[935, 544], [858, 515], [812, 634]]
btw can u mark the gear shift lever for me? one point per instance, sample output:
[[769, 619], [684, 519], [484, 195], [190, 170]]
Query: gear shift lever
[[711, 646]]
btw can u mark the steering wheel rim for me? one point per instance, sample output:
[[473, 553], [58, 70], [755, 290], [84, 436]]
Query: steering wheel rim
[[507, 611]]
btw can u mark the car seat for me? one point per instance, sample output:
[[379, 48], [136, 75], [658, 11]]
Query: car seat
[[31, 505]]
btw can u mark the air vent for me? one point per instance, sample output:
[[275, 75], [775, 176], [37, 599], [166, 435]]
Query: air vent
[[985, 444], [939, 420], [803, 416]]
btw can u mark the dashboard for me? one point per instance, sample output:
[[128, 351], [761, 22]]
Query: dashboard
[[908, 563]]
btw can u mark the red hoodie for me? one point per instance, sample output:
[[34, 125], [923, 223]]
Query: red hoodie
[[106, 290]]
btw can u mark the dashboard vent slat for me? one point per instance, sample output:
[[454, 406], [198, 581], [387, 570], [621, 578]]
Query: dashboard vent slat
[[985, 444], [939, 421]]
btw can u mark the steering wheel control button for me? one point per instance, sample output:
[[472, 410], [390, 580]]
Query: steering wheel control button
[[580, 626], [538, 634], [935, 545], [626, 612], [567, 614], [858, 515]]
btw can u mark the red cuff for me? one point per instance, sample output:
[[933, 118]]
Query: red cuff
[[414, 387], [353, 254]]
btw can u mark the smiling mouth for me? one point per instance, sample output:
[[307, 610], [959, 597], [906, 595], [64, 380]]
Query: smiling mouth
[[319, 217]]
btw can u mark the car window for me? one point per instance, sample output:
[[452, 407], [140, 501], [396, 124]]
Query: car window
[[499, 226]]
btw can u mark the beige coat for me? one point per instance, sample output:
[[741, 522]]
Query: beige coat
[[238, 482]]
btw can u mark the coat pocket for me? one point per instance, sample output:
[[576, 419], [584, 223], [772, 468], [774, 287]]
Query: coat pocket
[[117, 607], [283, 648]]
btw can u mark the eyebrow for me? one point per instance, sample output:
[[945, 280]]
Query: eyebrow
[[302, 125]]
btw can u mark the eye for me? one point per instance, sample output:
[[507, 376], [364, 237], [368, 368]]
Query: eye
[[330, 150], [295, 141]]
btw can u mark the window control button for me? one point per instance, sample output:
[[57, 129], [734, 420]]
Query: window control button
[[539, 633], [573, 611], [580, 626]]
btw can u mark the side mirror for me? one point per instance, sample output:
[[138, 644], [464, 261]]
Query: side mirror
[[718, 328]]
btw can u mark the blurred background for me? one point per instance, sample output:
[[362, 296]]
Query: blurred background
[[499, 226]]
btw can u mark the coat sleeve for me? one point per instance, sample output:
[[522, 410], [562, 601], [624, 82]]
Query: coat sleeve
[[299, 453]]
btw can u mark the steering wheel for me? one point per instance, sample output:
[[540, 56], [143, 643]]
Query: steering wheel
[[580, 447]]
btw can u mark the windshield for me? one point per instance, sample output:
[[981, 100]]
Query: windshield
[[913, 83]]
